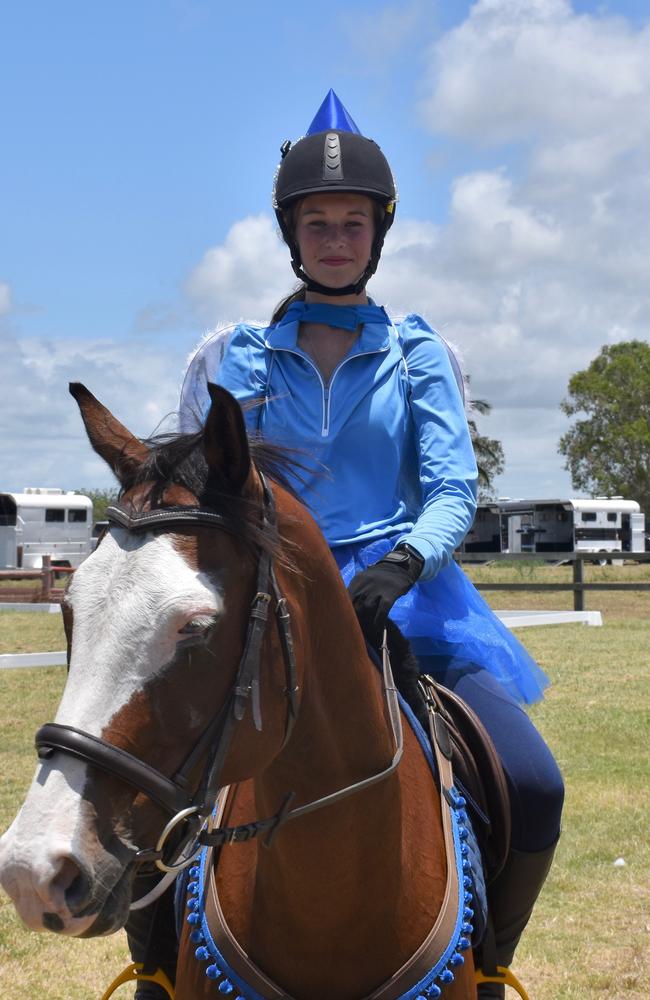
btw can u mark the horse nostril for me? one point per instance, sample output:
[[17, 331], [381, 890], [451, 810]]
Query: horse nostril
[[53, 922], [78, 893], [65, 871], [70, 883]]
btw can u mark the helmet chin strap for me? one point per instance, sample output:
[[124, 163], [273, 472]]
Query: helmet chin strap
[[315, 286]]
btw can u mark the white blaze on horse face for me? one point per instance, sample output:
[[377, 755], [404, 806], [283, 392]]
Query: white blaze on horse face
[[129, 601], [129, 598]]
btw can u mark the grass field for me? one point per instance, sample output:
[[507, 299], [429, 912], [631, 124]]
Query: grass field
[[590, 934]]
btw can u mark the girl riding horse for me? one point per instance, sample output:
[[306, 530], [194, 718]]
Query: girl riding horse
[[379, 407]]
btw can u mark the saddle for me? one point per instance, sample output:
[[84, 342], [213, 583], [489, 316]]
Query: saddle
[[477, 770]]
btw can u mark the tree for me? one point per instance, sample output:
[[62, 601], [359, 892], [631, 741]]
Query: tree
[[101, 499], [608, 453], [490, 458]]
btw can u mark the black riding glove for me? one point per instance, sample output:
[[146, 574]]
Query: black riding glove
[[375, 590]]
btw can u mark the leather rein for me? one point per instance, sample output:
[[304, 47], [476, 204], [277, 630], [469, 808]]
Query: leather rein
[[174, 794]]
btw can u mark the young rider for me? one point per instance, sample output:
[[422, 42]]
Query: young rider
[[380, 407]]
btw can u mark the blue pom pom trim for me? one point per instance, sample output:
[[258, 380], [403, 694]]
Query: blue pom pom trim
[[431, 985], [227, 982]]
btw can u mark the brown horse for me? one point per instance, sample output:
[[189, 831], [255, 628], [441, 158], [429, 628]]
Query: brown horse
[[178, 687]]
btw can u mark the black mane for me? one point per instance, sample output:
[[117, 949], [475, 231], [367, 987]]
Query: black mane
[[179, 460]]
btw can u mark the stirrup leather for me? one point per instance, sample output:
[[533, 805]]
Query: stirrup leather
[[133, 973], [505, 977]]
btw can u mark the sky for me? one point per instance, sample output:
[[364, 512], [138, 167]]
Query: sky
[[138, 145]]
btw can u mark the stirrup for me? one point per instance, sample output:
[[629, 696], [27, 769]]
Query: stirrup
[[505, 977], [133, 973]]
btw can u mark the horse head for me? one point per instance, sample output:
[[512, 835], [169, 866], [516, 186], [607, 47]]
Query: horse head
[[156, 621]]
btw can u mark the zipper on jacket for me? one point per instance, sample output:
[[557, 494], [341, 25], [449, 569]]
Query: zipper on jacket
[[326, 389], [325, 429]]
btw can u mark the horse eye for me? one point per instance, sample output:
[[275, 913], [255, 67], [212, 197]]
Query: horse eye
[[197, 626]]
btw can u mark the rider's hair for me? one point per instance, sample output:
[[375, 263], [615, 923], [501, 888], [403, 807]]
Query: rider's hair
[[296, 296]]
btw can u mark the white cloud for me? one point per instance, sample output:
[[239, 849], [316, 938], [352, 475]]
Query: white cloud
[[245, 277], [5, 298], [548, 254], [43, 441], [515, 69]]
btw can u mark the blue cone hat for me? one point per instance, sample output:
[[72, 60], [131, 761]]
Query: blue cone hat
[[333, 157], [332, 116]]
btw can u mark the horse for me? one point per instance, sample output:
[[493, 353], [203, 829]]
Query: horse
[[335, 873]]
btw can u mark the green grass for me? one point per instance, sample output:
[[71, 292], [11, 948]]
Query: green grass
[[590, 935], [31, 632], [33, 965]]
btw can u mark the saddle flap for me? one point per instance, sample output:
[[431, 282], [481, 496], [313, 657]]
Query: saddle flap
[[478, 768]]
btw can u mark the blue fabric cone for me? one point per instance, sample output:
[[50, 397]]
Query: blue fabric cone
[[332, 115]]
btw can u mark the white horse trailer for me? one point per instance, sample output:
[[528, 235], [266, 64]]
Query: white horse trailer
[[485, 533], [600, 524], [43, 521]]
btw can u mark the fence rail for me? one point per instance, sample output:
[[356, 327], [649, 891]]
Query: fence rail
[[577, 559], [47, 592]]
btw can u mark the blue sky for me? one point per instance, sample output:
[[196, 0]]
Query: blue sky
[[138, 145], [139, 132]]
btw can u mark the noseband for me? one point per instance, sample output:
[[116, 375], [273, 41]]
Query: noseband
[[173, 794]]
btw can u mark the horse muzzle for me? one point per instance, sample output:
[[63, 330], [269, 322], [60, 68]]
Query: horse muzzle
[[58, 875], [56, 894]]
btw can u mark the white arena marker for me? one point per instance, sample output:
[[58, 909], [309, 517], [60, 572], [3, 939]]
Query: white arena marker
[[528, 619], [51, 609], [32, 659]]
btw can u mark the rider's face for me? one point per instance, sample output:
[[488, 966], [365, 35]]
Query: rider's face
[[334, 233]]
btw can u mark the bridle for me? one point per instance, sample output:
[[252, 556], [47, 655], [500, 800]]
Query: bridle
[[174, 794]]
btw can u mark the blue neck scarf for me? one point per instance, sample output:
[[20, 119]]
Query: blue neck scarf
[[341, 317]]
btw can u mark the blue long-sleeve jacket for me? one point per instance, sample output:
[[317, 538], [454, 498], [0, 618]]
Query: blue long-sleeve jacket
[[386, 442]]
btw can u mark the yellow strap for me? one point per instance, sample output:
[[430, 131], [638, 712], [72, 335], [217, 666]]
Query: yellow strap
[[505, 977], [133, 973]]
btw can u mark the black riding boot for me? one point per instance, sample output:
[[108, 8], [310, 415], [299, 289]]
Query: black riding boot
[[510, 903], [151, 934]]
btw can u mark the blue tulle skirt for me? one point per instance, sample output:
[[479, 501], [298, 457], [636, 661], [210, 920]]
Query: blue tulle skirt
[[446, 618]]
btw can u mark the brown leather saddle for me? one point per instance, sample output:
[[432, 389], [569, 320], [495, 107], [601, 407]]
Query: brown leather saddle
[[477, 767]]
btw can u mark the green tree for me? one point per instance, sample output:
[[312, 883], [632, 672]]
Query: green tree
[[608, 452], [101, 499], [490, 458]]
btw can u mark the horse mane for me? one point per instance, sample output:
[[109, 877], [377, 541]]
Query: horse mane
[[178, 459]]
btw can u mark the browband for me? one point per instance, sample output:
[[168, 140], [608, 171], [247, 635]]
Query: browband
[[168, 516]]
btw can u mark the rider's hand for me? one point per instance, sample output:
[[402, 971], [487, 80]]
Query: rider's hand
[[375, 590]]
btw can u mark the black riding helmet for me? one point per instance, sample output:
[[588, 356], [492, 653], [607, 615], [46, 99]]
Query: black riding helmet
[[331, 161]]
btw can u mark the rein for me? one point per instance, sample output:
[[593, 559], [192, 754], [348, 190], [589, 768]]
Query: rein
[[173, 794]]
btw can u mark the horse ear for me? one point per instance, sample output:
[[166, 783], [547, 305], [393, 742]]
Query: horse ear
[[119, 448], [225, 441]]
